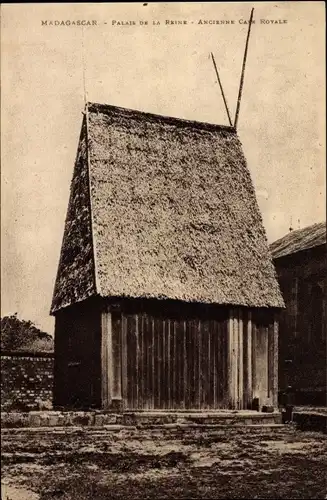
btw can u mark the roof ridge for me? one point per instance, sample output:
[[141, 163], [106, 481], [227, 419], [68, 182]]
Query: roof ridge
[[298, 231], [299, 240], [93, 106]]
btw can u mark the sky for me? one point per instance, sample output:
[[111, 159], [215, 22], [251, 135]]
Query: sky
[[47, 72]]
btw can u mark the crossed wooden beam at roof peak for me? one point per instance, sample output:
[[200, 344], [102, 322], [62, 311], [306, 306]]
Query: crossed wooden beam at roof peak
[[241, 81]]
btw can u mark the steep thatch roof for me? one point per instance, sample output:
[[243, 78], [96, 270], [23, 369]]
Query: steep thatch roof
[[172, 214], [299, 240]]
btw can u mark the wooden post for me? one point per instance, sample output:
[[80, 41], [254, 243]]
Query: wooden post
[[106, 360], [235, 360], [154, 360], [249, 361], [186, 388], [222, 90], [240, 361], [124, 360], [199, 340], [275, 365], [243, 71], [169, 378], [254, 359], [137, 362], [231, 361]]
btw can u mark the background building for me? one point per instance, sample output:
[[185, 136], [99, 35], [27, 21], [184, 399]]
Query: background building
[[301, 263]]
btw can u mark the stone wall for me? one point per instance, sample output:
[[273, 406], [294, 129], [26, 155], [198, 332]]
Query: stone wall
[[26, 381]]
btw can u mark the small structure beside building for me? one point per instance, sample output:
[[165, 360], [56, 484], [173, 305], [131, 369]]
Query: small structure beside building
[[300, 258], [166, 296]]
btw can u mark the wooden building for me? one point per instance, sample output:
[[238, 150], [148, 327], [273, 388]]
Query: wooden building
[[301, 261], [166, 295]]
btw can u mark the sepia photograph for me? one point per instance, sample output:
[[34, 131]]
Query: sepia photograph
[[163, 251]]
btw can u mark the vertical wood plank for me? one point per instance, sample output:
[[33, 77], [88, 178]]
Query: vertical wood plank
[[226, 344], [106, 360], [131, 360], [240, 360], [133, 319], [215, 360], [201, 366], [158, 339], [204, 365], [137, 369], [223, 352], [270, 358], [166, 380], [161, 355], [235, 357], [275, 364], [152, 361], [124, 360], [187, 364], [176, 364], [156, 355], [254, 359], [181, 362], [146, 363], [169, 377], [163, 387], [249, 390], [116, 328], [230, 359], [224, 337], [190, 361], [223, 348], [173, 364], [128, 397], [185, 375], [219, 355], [149, 361], [180, 381], [210, 370], [140, 361], [197, 358]]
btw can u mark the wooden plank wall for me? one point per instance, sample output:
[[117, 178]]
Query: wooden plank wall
[[265, 357], [210, 361], [171, 363], [252, 358]]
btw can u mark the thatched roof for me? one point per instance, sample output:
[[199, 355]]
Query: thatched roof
[[172, 215], [299, 240]]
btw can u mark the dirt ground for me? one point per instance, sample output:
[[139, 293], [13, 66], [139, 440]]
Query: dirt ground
[[230, 463]]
